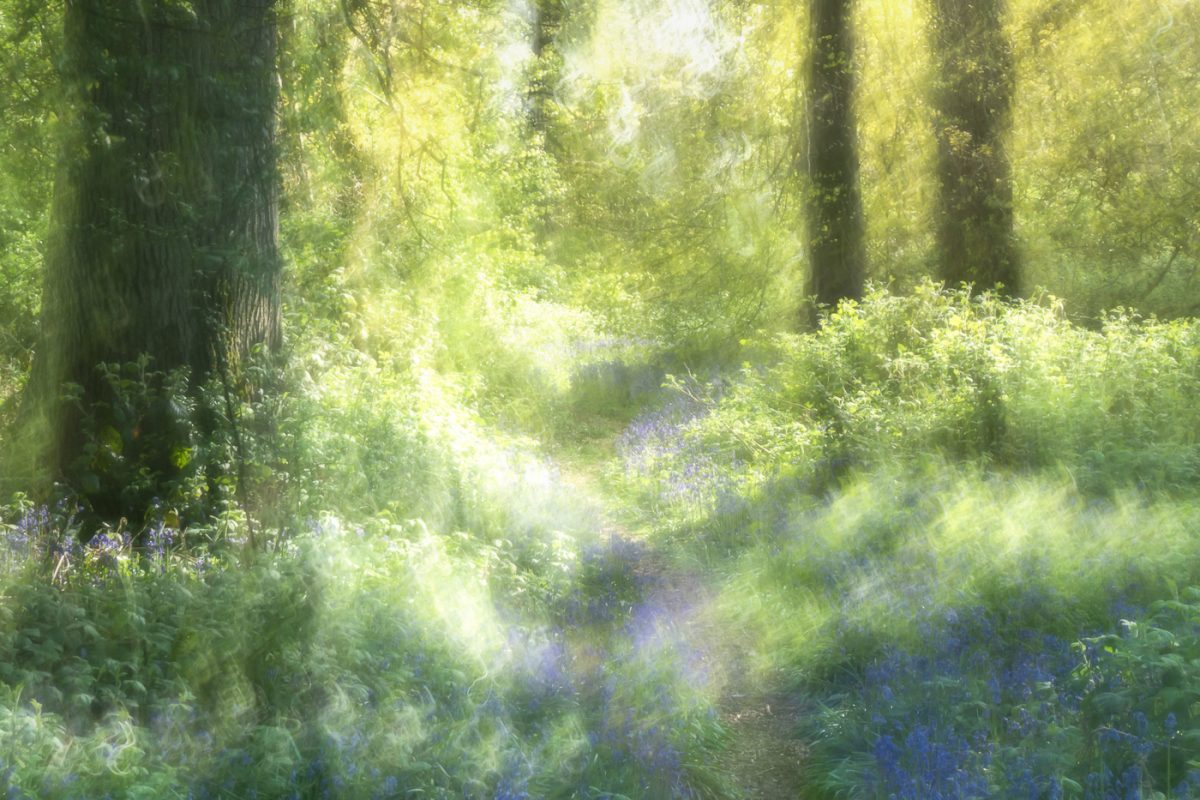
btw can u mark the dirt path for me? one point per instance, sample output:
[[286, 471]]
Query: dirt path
[[765, 758]]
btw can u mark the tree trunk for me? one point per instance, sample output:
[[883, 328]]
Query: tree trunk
[[837, 253], [543, 75], [544, 68], [972, 112], [165, 240]]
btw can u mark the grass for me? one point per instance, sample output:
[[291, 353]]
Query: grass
[[954, 535]]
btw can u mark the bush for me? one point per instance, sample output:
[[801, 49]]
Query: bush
[[954, 376]]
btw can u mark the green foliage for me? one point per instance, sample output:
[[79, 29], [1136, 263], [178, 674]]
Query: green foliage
[[151, 444], [1143, 681], [1106, 155], [347, 661], [900, 379], [29, 35], [911, 512], [918, 508]]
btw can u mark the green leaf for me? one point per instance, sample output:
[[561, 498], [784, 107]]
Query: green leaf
[[181, 456], [110, 437]]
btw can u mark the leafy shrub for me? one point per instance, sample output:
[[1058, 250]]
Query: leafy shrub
[[896, 379], [1142, 688]]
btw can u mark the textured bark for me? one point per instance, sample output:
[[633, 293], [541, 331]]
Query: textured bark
[[972, 110], [548, 15], [543, 75], [837, 253], [165, 239]]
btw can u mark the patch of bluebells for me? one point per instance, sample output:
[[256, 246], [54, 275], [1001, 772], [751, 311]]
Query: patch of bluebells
[[158, 544], [339, 766], [971, 712], [160, 539], [542, 672], [656, 628], [645, 737], [33, 528], [644, 721], [1141, 695], [641, 728], [931, 763], [51, 537], [658, 434], [104, 554], [608, 583], [624, 676], [11, 790], [699, 481], [514, 779], [42, 532], [655, 447], [980, 710]]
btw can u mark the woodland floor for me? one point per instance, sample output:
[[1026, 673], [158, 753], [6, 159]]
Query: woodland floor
[[764, 758]]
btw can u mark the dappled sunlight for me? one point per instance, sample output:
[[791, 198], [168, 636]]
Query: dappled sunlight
[[599, 400], [677, 41]]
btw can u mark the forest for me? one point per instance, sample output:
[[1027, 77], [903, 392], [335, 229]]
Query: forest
[[600, 399]]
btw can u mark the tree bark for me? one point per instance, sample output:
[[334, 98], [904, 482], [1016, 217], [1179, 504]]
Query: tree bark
[[548, 16], [165, 237], [973, 98], [837, 253]]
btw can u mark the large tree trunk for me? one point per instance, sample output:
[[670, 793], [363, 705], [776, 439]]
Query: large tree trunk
[[165, 239], [973, 108], [837, 253]]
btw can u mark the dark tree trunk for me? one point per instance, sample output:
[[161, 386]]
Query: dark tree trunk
[[165, 239], [543, 75], [548, 16], [972, 112], [837, 253]]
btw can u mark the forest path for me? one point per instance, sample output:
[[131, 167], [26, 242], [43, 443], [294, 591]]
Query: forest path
[[764, 758]]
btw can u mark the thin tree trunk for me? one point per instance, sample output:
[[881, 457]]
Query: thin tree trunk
[[543, 75], [544, 69], [837, 252], [973, 111]]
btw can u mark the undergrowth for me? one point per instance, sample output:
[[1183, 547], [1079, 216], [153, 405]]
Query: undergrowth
[[401, 602], [961, 530]]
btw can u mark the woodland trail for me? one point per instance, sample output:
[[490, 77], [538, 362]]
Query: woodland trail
[[764, 757]]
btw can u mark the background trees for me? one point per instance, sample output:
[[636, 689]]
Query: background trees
[[544, 59], [28, 98], [673, 146], [1104, 156]]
